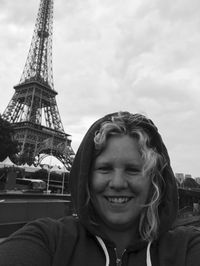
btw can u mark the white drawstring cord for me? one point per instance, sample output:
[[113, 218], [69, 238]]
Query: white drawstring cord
[[148, 258], [104, 249], [148, 255]]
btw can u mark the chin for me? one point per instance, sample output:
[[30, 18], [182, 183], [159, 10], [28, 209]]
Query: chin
[[121, 224]]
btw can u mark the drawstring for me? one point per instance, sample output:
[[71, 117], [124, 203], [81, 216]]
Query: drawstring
[[104, 249], [148, 258]]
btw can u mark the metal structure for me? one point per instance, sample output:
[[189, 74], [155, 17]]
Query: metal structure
[[33, 110]]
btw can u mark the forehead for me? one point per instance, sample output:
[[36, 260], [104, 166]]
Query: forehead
[[121, 149]]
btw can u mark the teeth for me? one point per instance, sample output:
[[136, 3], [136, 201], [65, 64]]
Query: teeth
[[118, 199]]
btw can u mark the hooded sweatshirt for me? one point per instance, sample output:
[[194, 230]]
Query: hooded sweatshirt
[[77, 241]]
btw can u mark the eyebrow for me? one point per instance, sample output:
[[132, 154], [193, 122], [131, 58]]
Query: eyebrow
[[136, 165], [129, 164], [102, 163]]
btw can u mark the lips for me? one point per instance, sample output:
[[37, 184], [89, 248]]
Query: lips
[[118, 199]]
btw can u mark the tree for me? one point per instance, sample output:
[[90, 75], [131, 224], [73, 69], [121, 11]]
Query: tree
[[190, 183], [8, 146]]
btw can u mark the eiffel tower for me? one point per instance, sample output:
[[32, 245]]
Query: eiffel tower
[[33, 110]]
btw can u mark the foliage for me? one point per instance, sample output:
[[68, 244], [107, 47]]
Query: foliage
[[8, 145], [54, 179], [3, 174], [40, 174], [190, 183], [43, 174]]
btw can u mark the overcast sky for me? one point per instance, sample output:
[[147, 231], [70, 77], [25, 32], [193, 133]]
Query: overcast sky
[[110, 55]]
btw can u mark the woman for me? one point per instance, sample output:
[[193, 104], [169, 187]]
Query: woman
[[125, 196]]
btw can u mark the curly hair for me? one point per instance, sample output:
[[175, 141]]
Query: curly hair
[[153, 163]]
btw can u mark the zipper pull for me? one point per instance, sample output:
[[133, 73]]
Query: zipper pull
[[118, 262]]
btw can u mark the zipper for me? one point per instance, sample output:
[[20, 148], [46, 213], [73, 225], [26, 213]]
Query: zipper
[[119, 260]]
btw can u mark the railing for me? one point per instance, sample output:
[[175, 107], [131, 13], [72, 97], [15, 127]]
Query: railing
[[19, 208]]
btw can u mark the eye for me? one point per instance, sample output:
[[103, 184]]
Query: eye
[[103, 168], [133, 170]]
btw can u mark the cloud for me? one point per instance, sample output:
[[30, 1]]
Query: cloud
[[179, 9], [110, 55], [13, 12]]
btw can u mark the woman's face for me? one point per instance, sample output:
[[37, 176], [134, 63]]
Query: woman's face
[[119, 188]]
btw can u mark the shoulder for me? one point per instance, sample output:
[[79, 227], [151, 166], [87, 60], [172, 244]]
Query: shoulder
[[182, 233], [185, 231], [182, 243], [181, 238], [40, 242], [49, 232], [55, 227], [191, 241]]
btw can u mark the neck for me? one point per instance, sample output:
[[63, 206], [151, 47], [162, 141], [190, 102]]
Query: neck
[[121, 239]]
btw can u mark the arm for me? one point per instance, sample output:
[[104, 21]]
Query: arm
[[30, 246], [18, 252], [193, 252]]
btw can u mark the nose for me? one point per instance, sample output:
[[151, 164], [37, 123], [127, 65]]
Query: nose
[[118, 180]]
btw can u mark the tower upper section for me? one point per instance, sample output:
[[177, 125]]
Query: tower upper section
[[38, 66]]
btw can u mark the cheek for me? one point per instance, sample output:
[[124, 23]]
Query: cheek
[[146, 190], [140, 186], [98, 183]]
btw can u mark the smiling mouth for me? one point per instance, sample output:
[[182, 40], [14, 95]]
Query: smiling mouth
[[118, 200]]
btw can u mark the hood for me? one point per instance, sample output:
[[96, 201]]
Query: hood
[[80, 172]]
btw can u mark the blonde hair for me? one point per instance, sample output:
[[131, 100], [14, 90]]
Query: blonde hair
[[128, 124]]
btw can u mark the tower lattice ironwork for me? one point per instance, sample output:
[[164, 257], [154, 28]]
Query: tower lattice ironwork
[[33, 110]]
